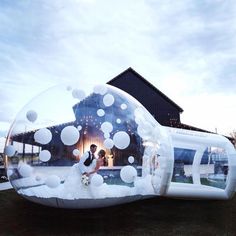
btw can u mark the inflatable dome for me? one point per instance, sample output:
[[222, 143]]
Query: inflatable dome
[[53, 149], [96, 146]]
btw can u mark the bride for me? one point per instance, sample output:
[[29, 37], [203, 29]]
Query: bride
[[77, 183]]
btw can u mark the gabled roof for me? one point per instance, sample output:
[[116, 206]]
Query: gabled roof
[[131, 70]]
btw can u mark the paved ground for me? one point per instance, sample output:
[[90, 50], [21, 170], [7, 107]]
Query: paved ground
[[149, 217]]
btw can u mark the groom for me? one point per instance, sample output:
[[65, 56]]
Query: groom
[[86, 160]]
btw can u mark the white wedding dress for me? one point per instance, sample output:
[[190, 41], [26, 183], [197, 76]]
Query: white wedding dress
[[73, 187]]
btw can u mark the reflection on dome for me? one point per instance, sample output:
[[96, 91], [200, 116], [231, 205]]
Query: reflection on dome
[[53, 132]]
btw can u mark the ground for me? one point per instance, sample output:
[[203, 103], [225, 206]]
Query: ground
[[159, 216]]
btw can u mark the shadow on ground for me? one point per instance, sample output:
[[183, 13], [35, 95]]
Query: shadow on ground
[[159, 216]]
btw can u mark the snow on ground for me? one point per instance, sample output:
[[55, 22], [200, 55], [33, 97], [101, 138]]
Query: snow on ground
[[5, 186]]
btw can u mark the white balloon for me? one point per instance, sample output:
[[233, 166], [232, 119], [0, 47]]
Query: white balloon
[[128, 174], [44, 155], [79, 127], [144, 133], [76, 152], [38, 178], [9, 173], [108, 100], [123, 106], [131, 159], [68, 88], [106, 135], [43, 136], [108, 143], [97, 180], [106, 127], [118, 121], [100, 89], [31, 115], [52, 181], [70, 135], [10, 150], [79, 94], [100, 112], [121, 140], [25, 170]]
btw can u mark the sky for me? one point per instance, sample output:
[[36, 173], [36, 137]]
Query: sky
[[185, 48]]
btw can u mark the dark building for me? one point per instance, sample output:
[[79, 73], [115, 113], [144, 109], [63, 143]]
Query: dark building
[[157, 103], [164, 110]]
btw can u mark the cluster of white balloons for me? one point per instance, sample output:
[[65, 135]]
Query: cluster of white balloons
[[100, 89], [69, 136], [25, 170], [121, 140], [148, 128]]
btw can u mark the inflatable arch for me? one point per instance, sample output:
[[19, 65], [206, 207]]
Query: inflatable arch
[[52, 134]]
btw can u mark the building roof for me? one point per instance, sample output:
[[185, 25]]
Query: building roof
[[131, 70], [179, 125]]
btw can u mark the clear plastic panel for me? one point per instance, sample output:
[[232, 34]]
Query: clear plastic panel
[[54, 131], [182, 172], [214, 167]]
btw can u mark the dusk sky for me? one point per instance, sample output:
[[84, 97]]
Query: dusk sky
[[186, 48]]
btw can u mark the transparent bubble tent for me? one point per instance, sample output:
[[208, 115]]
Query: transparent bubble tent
[[143, 159]]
